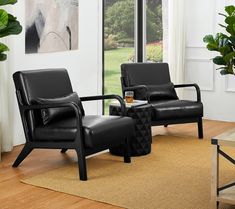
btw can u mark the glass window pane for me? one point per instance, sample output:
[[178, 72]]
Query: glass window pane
[[118, 42]]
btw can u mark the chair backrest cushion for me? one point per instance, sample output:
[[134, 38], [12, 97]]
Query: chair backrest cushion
[[155, 76], [145, 73], [43, 83]]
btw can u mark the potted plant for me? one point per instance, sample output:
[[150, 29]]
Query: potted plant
[[8, 26], [224, 43]]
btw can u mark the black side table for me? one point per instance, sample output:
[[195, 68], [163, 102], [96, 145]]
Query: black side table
[[140, 143]]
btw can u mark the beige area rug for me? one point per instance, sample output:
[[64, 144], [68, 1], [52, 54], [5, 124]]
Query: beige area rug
[[176, 175]]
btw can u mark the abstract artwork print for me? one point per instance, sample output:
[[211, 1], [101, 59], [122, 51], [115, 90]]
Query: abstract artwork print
[[51, 25]]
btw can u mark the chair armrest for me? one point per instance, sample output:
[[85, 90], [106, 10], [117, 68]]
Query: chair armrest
[[103, 97], [136, 88], [130, 88], [191, 85]]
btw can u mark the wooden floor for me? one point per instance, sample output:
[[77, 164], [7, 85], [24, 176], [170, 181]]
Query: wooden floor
[[14, 194]]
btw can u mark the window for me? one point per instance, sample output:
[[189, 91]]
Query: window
[[119, 41], [133, 31]]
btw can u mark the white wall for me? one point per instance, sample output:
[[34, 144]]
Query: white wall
[[84, 65], [218, 92]]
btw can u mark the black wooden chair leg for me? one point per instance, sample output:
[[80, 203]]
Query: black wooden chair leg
[[200, 129], [127, 152], [82, 165], [23, 154], [63, 150], [165, 126]]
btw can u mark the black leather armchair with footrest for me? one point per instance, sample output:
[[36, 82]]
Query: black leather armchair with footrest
[[53, 118]]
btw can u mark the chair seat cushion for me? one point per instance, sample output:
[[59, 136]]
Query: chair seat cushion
[[174, 109], [97, 130]]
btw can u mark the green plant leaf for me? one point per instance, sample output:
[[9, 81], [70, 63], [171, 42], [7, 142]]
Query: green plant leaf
[[209, 39], [218, 38], [230, 69], [3, 48], [212, 47], [230, 20], [3, 57], [232, 39], [225, 50], [3, 19], [219, 60], [13, 28], [227, 70], [11, 17], [230, 29], [230, 9], [5, 2], [224, 72], [212, 44], [229, 57], [223, 42]]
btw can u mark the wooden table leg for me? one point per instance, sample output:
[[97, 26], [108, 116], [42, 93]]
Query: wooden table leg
[[214, 176]]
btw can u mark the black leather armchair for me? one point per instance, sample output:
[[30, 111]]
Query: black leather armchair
[[53, 118], [151, 81]]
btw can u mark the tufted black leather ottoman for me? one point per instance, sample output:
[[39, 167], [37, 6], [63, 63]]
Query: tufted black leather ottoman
[[140, 143]]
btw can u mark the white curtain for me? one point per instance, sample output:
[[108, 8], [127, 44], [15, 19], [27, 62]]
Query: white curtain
[[174, 38], [6, 93]]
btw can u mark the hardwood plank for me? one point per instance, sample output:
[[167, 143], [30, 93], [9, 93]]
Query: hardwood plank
[[14, 194]]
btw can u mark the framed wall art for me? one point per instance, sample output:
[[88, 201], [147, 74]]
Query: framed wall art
[[51, 25]]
